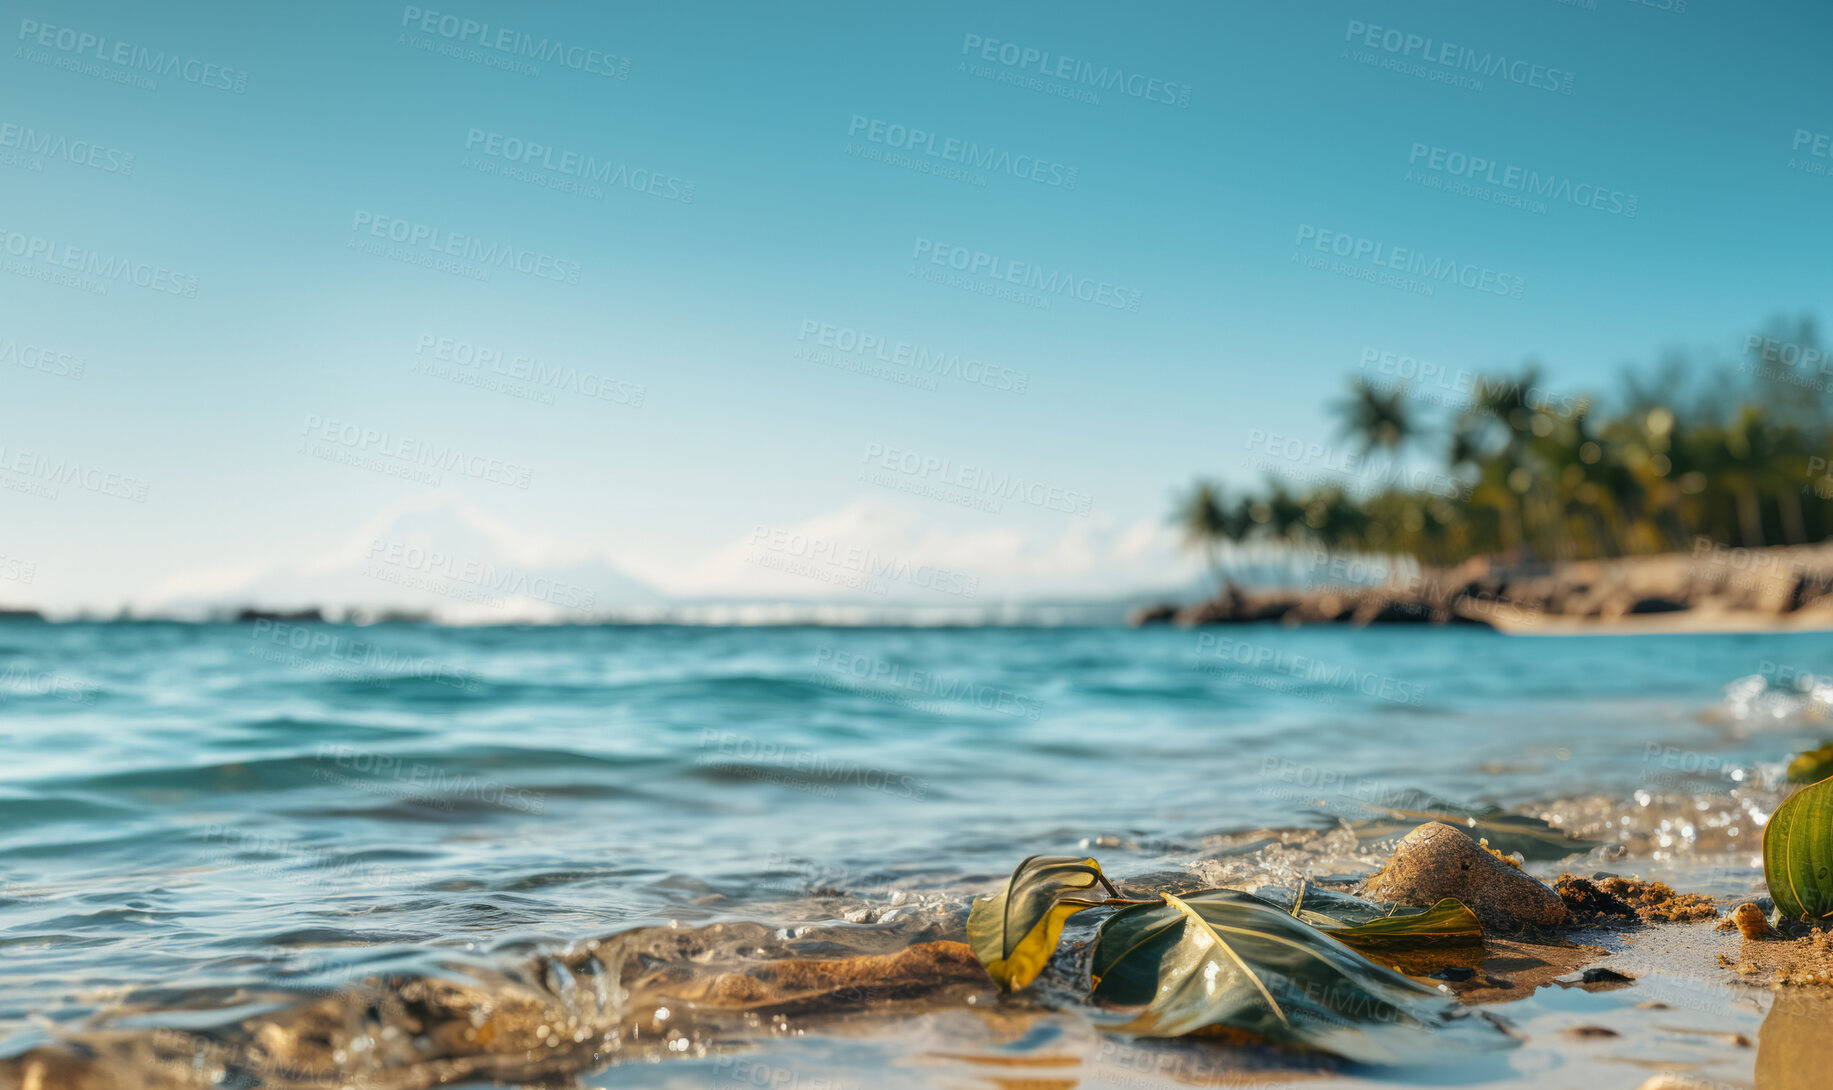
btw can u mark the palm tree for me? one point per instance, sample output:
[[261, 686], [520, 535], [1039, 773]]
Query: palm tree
[[1208, 523], [1743, 473], [1676, 459], [1375, 418]]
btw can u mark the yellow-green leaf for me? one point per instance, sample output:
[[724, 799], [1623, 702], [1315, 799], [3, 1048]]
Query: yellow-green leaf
[[1798, 853], [1447, 923], [1014, 931]]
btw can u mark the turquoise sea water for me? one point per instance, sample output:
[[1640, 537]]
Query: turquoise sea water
[[192, 813]]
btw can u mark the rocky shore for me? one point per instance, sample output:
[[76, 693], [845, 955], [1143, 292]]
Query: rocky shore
[[1712, 588]]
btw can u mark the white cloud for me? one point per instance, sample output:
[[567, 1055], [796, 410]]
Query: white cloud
[[1089, 558], [438, 554]]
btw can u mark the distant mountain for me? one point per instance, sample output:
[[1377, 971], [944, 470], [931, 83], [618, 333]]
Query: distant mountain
[[435, 558]]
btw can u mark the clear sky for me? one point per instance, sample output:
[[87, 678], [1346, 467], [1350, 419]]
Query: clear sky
[[749, 179]]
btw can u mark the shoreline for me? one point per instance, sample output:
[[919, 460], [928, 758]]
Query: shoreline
[[1675, 990], [1714, 589]]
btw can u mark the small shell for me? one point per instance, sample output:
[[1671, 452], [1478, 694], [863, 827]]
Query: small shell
[[1752, 924]]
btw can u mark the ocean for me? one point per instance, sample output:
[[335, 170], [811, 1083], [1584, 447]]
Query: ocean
[[200, 821]]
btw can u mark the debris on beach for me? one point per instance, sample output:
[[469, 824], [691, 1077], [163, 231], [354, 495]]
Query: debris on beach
[[1587, 903], [1603, 896]]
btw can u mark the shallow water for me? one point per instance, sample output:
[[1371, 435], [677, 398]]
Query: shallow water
[[200, 820]]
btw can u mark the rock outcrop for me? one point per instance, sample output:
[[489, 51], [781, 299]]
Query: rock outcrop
[[1792, 584]]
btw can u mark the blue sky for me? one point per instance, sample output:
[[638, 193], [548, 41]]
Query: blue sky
[[225, 409]]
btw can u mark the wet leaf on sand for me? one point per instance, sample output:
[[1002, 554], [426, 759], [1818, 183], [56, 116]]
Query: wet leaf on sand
[[1014, 931], [1364, 924], [1223, 958]]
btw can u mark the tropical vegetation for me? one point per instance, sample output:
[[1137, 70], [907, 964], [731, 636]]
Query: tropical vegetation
[[1735, 453]]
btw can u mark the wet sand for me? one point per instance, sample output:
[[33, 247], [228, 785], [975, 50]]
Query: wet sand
[[758, 1003]]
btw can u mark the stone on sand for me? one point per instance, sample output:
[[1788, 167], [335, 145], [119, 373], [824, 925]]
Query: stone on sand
[[1436, 861]]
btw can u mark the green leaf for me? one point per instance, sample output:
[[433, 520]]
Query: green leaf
[[1223, 958], [1798, 853], [1447, 923], [1536, 840], [1328, 908], [1015, 931]]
